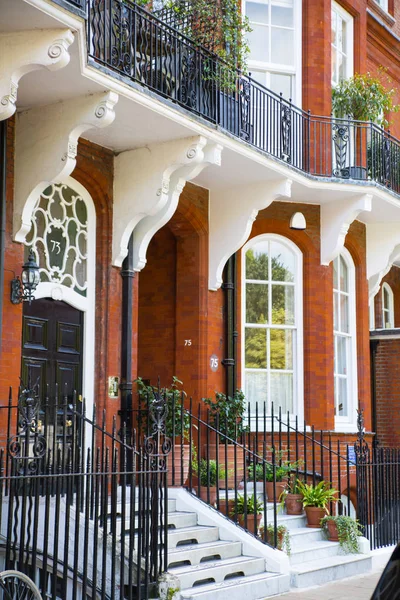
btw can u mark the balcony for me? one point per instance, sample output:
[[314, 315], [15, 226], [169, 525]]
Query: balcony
[[134, 44]]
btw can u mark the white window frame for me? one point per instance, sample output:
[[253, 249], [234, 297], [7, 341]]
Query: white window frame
[[383, 4], [372, 314], [298, 368], [348, 423], [276, 68], [386, 287], [347, 17]]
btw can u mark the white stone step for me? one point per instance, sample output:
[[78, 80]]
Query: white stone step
[[309, 552], [292, 521], [118, 506], [176, 520], [323, 570], [190, 535], [302, 536], [218, 571], [197, 553], [254, 587]]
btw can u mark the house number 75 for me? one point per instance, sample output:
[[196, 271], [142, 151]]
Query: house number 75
[[188, 342]]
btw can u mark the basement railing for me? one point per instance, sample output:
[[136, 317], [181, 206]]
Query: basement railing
[[128, 40]]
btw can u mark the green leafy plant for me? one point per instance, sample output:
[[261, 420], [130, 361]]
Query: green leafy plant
[[349, 530], [250, 504], [319, 495], [266, 473], [208, 472], [365, 98], [227, 413], [177, 420], [282, 534]]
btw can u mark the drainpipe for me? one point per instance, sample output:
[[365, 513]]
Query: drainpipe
[[373, 345], [127, 274], [230, 362], [3, 175]]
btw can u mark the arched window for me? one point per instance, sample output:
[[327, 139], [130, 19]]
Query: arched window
[[387, 307], [273, 324], [344, 304]]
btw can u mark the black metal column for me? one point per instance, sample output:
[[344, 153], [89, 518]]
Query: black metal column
[[3, 177], [230, 361], [127, 274]]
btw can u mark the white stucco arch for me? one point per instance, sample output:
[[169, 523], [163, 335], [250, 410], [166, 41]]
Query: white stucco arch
[[86, 304]]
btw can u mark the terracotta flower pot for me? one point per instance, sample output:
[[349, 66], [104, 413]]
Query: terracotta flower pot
[[204, 494], [252, 522], [280, 538], [280, 487], [333, 531], [223, 509], [294, 504], [314, 516]]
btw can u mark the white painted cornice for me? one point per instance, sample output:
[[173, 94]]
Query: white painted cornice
[[336, 218], [383, 249], [147, 185], [46, 147], [232, 213], [24, 51]]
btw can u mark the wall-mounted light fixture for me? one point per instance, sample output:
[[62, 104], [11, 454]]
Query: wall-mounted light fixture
[[22, 290]]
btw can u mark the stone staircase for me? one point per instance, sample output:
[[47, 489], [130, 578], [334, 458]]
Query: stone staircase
[[209, 567], [314, 560]]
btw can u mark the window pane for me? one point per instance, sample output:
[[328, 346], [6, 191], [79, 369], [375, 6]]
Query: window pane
[[282, 391], [257, 262], [282, 46], [282, 262], [335, 273], [282, 15], [335, 311], [344, 313], [343, 37], [283, 305], [256, 303], [342, 410], [257, 12], [334, 66], [344, 286], [281, 349], [256, 389], [385, 298], [334, 26], [258, 43], [342, 66], [281, 84], [256, 348], [341, 355]]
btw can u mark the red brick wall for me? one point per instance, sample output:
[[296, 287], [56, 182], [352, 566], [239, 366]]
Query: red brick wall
[[387, 378]]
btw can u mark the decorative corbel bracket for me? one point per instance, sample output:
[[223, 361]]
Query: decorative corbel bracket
[[148, 183], [336, 218], [46, 147], [24, 51], [232, 213], [383, 249]]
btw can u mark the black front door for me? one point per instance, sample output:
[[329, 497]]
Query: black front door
[[52, 338]]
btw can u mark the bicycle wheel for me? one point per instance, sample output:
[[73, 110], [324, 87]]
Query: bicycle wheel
[[15, 585]]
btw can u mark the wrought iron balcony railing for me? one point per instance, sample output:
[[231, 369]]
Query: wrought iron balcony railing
[[134, 43]]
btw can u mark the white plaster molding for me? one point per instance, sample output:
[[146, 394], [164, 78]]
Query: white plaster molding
[[46, 147], [336, 218], [24, 51], [147, 185], [383, 249], [232, 213]]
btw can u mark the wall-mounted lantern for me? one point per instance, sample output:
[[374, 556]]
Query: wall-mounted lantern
[[22, 290]]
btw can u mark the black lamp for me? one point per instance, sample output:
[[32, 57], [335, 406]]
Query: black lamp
[[22, 290]]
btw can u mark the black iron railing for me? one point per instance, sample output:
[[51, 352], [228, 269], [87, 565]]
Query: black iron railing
[[134, 43], [82, 511]]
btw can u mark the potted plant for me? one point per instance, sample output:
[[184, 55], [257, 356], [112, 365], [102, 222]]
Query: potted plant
[[208, 480], [177, 424], [267, 534], [315, 501], [344, 530], [265, 472], [292, 499], [249, 510], [226, 416]]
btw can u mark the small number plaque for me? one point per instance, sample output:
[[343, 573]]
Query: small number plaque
[[214, 362]]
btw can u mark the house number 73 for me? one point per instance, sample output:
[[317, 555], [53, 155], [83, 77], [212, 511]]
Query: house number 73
[[56, 246]]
